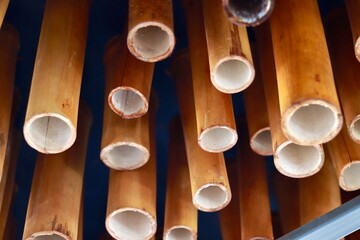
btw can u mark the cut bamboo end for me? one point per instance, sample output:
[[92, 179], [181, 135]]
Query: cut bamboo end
[[311, 122], [211, 197], [354, 129], [51, 235], [349, 176], [298, 161], [357, 49], [128, 102], [217, 139], [247, 12], [49, 133], [151, 41], [261, 143], [125, 155], [130, 223], [233, 74], [181, 233]]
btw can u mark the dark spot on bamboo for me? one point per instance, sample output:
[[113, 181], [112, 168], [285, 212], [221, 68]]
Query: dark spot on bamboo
[[66, 104], [317, 78], [235, 40], [58, 227]]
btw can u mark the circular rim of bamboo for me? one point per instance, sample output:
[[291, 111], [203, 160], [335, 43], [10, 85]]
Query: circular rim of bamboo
[[140, 112], [164, 54], [32, 142], [252, 23], [241, 84], [343, 176], [110, 163], [354, 129], [257, 147], [191, 233], [41, 234], [326, 136], [313, 169], [151, 219], [220, 204], [231, 135], [357, 49]]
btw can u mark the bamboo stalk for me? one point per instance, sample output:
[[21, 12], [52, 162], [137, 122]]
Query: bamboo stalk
[[180, 213], [52, 112], [208, 177], [310, 111], [346, 70], [255, 220], [129, 80], [231, 68], [9, 46], [131, 207], [345, 155], [81, 220], [248, 12], [290, 158], [257, 115], [319, 194], [151, 29], [353, 8], [54, 205], [214, 113], [3, 7]]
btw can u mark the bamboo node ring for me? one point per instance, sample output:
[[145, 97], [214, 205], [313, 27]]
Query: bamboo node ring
[[217, 139]]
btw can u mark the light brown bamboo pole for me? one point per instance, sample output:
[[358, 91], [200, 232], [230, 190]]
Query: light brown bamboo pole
[[3, 7], [320, 193], [257, 114], [180, 213], [230, 216], [125, 143], [208, 177], [9, 46], [345, 155], [56, 192], [310, 111], [290, 158], [248, 12], [214, 113], [255, 220], [230, 61], [353, 8], [346, 70], [81, 220], [52, 112], [131, 206], [151, 29], [129, 80]]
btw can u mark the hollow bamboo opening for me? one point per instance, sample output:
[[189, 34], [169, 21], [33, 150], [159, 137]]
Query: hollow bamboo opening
[[49, 236], [350, 177], [217, 139], [211, 197], [179, 233], [261, 142], [357, 49], [354, 129], [128, 102]]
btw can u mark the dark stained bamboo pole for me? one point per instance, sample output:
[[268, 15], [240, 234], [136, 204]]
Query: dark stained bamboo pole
[[230, 61], [52, 112], [208, 177], [3, 7], [248, 12], [151, 29], [346, 70], [290, 159], [353, 8], [129, 80], [180, 213], [310, 110], [214, 113], [56, 192]]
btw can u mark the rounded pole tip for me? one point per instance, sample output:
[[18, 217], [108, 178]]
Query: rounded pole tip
[[180, 233], [350, 177], [261, 142], [217, 139], [211, 197]]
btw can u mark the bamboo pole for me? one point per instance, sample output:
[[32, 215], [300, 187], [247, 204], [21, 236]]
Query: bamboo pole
[[346, 70], [52, 112], [214, 113], [208, 177], [257, 115], [310, 111], [230, 216], [290, 158], [180, 213], [131, 207], [255, 220], [3, 7], [151, 29], [248, 12], [345, 155], [319, 194], [353, 8], [56, 192], [9, 46], [230, 61], [129, 80]]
